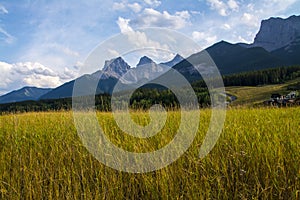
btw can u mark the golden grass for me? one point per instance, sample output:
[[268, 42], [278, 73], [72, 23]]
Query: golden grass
[[256, 157]]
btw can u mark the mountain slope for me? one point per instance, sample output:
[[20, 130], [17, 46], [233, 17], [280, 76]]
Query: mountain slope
[[290, 53], [24, 94], [276, 33], [177, 59], [86, 83], [230, 59]]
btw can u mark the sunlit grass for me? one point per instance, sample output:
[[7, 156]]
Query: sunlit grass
[[247, 95], [256, 157]]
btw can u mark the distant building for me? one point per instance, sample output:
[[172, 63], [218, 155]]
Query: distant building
[[276, 96], [289, 99], [291, 95]]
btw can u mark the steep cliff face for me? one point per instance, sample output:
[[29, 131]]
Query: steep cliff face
[[276, 33]]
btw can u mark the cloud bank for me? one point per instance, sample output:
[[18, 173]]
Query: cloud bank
[[17, 75]]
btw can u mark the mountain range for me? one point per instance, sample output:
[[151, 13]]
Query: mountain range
[[111, 73], [24, 94], [276, 44]]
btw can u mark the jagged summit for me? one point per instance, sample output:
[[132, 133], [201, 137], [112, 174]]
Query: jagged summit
[[144, 61], [115, 68], [117, 64]]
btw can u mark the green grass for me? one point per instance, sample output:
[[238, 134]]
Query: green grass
[[256, 157], [255, 95]]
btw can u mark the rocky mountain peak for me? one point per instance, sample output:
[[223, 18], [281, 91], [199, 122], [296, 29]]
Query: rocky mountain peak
[[276, 33], [116, 64], [144, 61], [116, 68]]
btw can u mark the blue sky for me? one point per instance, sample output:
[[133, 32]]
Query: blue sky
[[42, 42]]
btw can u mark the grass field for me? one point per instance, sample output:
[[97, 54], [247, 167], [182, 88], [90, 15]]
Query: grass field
[[256, 157], [255, 95]]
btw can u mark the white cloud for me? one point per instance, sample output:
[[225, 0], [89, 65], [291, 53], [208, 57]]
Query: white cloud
[[153, 3], [219, 6], [68, 74], [29, 68], [250, 20], [250, 7], [141, 40], [274, 6], [17, 75], [194, 12], [153, 18], [138, 38], [124, 25], [135, 7], [242, 39], [119, 6], [204, 38], [224, 9], [233, 5], [78, 65], [113, 53], [3, 10], [42, 81], [142, 43], [239, 21], [226, 26], [5, 69], [122, 6]]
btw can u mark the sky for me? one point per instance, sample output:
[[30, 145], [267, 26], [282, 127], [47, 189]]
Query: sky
[[43, 43]]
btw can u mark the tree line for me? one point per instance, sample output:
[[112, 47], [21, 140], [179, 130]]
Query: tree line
[[263, 77]]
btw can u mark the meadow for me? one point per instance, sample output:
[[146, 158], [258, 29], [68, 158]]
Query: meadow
[[255, 95], [256, 157]]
